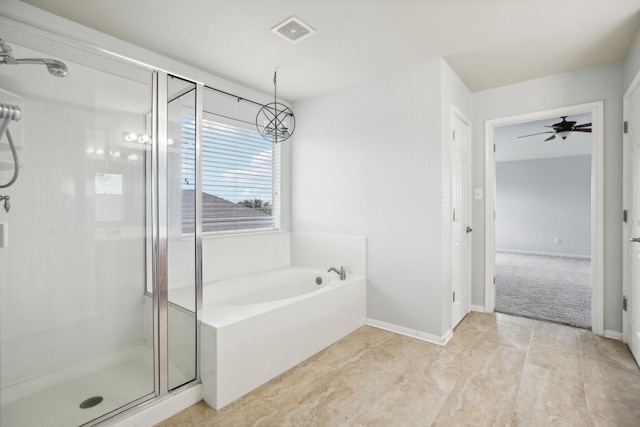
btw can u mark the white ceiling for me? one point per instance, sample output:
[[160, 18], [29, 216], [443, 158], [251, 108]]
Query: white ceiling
[[488, 43], [511, 145]]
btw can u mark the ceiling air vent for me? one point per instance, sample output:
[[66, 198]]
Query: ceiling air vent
[[293, 30]]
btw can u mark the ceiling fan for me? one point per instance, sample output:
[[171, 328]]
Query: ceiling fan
[[563, 129]]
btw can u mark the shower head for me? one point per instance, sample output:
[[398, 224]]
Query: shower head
[[56, 68]]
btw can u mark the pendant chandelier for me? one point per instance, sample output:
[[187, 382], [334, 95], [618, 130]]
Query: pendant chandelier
[[275, 121]]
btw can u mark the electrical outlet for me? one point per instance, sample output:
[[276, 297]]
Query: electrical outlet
[[557, 241]]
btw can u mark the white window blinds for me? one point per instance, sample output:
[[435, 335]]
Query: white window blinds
[[240, 179]]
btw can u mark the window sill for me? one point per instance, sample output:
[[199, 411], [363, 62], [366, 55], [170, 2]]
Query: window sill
[[223, 234]]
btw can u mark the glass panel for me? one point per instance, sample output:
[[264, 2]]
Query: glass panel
[[75, 333], [181, 177]]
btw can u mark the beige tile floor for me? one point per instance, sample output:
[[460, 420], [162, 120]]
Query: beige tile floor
[[497, 370]]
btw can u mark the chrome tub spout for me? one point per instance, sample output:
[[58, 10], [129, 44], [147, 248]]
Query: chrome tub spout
[[341, 272]]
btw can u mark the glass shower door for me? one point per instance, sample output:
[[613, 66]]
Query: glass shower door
[[75, 321], [182, 244]]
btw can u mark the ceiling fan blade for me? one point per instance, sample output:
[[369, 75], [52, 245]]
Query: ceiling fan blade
[[551, 137], [584, 125], [582, 130], [539, 133]]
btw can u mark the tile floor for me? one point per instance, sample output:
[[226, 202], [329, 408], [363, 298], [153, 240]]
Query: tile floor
[[498, 370]]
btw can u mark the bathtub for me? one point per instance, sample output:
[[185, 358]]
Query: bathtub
[[257, 326]]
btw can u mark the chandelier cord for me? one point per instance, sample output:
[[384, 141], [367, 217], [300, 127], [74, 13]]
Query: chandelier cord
[[275, 101]]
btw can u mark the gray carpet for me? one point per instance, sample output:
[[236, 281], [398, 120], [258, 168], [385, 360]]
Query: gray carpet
[[556, 289]]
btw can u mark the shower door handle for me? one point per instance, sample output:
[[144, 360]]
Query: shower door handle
[[635, 239]]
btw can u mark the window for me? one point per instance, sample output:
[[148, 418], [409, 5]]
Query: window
[[240, 178]]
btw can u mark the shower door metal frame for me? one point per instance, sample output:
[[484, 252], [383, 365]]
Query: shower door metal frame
[[198, 221], [159, 235], [160, 226]]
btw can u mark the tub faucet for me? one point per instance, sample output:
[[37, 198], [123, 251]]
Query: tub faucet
[[341, 272]]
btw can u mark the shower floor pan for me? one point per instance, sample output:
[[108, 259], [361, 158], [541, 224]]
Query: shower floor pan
[[59, 406]]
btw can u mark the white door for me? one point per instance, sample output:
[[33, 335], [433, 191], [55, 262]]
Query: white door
[[632, 334], [461, 219]]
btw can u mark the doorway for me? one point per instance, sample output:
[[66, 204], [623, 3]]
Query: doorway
[[595, 110], [543, 220]]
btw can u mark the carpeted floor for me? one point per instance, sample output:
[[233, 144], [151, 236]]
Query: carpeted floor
[[557, 289]]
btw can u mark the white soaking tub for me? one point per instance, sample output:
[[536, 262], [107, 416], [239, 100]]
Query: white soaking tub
[[257, 326]]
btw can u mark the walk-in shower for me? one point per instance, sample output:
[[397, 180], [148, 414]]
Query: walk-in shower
[[87, 326]]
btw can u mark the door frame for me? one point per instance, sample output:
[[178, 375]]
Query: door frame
[[597, 202], [469, 200]]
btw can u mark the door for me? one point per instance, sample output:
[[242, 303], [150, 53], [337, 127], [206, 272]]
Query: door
[[632, 334], [461, 219]]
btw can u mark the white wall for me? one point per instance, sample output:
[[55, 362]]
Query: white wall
[[538, 200], [323, 251], [367, 161], [602, 82]]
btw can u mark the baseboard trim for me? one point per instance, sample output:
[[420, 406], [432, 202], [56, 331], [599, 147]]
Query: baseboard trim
[[614, 335], [412, 333], [478, 308], [516, 251]]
